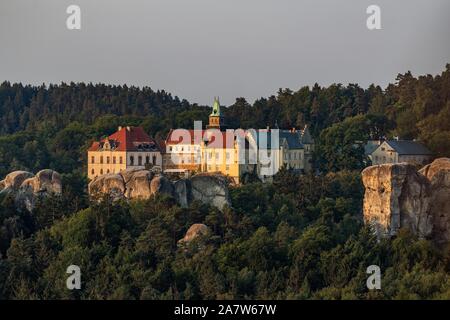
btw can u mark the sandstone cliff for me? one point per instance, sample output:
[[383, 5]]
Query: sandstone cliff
[[397, 196], [143, 184], [26, 187]]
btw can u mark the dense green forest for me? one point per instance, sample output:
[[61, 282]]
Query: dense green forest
[[300, 237]]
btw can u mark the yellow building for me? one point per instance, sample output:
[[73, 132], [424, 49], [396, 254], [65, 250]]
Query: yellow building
[[212, 150], [129, 147]]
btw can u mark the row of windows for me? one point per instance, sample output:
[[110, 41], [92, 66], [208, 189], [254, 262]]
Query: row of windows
[[289, 156], [108, 160], [101, 171], [139, 162], [181, 148], [227, 168]]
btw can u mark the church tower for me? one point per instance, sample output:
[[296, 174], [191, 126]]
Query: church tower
[[216, 119]]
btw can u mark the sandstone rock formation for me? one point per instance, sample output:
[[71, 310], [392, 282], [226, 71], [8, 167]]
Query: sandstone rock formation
[[397, 196], [196, 230], [438, 173], [142, 184], [27, 188]]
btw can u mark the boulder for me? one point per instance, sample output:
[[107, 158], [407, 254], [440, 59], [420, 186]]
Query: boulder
[[137, 184], [210, 189], [45, 180], [196, 230], [160, 184], [396, 196], [438, 165], [26, 188], [14, 180], [111, 184]]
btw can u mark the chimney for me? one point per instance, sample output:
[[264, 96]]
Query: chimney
[[128, 128]]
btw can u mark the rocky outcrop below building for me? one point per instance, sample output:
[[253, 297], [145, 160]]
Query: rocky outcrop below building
[[143, 184], [398, 196], [27, 188]]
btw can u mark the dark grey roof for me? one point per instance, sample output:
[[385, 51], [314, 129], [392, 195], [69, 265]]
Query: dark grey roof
[[407, 147], [371, 146], [293, 139]]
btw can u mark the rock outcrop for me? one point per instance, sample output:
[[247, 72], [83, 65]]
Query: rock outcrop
[[397, 196], [143, 184], [26, 187], [196, 230], [438, 173]]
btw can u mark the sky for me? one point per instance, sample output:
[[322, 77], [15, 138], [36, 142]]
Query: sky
[[198, 49]]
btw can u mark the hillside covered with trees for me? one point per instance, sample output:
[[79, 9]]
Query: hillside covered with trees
[[300, 237]]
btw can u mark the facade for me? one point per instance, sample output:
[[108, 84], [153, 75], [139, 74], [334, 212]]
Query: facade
[[213, 150], [292, 149], [217, 150], [396, 151], [129, 147]]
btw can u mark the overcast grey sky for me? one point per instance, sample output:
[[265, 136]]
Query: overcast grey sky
[[198, 49]]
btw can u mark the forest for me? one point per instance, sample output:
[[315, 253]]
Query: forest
[[300, 237]]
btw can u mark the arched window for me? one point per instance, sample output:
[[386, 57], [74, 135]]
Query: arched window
[[154, 160], [131, 161], [92, 172]]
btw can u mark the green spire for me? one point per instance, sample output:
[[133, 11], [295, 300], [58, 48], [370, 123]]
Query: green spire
[[216, 107]]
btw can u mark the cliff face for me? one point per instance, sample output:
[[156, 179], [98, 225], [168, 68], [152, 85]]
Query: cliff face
[[26, 187], [397, 196], [143, 184], [438, 173]]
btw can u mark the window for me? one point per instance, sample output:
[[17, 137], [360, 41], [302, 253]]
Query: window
[[147, 159], [92, 159], [154, 160], [114, 160], [209, 167], [101, 171], [140, 161], [131, 161], [170, 148], [217, 168], [101, 159], [210, 155], [120, 160], [107, 159], [228, 155], [107, 171], [92, 172], [217, 155], [227, 167]]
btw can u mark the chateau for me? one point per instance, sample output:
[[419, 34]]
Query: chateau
[[233, 153], [129, 147]]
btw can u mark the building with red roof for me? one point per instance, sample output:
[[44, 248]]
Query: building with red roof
[[128, 147]]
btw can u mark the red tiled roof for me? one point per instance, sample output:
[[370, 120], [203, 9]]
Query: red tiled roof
[[126, 139], [213, 137]]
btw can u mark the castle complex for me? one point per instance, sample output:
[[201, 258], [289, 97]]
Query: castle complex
[[215, 149]]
